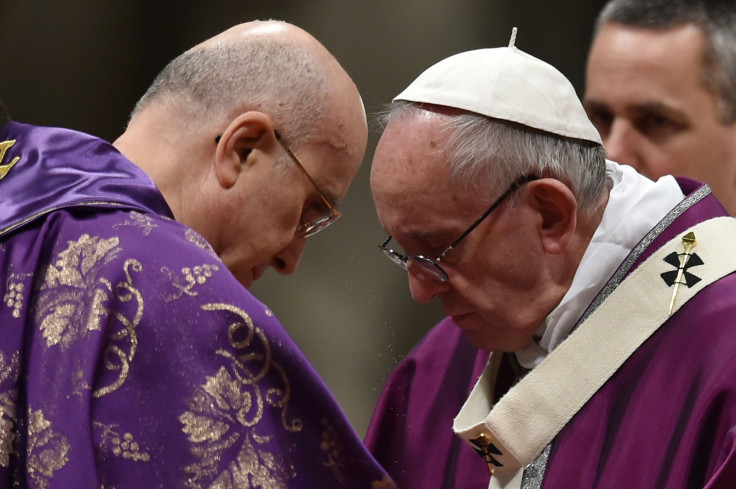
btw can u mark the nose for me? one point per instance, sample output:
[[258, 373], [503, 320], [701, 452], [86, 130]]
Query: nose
[[621, 143], [423, 286], [287, 260]]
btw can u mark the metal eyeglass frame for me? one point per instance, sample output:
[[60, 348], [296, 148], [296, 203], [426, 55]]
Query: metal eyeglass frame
[[306, 228], [432, 266]]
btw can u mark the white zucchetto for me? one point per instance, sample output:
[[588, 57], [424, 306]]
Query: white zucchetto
[[507, 84]]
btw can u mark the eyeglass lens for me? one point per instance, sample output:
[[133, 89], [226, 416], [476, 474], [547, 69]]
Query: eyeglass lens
[[431, 266]]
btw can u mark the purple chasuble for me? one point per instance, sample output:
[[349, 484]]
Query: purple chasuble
[[666, 419], [130, 357]]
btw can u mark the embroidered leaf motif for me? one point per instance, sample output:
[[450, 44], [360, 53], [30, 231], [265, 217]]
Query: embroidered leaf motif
[[48, 451], [73, 300], [72, 296], [226, 415]]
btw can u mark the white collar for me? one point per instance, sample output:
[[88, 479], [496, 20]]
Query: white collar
[[635, 205]]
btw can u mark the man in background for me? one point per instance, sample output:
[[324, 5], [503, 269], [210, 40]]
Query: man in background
[[131, 354], [660, 89]]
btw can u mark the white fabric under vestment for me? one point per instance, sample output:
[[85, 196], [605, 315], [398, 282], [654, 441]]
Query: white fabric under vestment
[[635, 205]]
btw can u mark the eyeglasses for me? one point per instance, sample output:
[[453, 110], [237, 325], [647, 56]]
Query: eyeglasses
[[325, 215], [432, 266]]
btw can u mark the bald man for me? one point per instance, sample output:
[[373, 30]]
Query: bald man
[[132, 355]]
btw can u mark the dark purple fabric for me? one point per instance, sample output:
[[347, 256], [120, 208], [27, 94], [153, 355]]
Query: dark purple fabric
[[61, 168], [667, 418], [130, 357], [410, 433]]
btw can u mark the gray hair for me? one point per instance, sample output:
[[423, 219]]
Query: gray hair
[[489, 154], [717, 21], [278, 77]]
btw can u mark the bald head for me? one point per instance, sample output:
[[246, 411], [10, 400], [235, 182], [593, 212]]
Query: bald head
[[211, 132], [266, 29], [270, 66]]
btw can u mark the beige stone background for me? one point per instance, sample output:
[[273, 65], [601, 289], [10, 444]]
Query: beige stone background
[[82, 64]]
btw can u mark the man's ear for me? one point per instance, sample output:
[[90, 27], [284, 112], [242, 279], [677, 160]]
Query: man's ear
[[556, 207], [246, 135]]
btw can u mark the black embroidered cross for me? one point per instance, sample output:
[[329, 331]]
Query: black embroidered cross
[[674, 259]]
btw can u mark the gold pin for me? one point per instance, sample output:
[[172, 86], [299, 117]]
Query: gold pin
[[486, 450], [688, 242]]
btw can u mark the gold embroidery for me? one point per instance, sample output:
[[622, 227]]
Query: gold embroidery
[[385, 483], [139, 220], [48, 451], [71, 294], [73, 301], [79, 381], [337, 457], [227, 408], [15, 290], [193, 237], [197, 275], [8, 407], [126, 337], [5, 168], [119, 445]]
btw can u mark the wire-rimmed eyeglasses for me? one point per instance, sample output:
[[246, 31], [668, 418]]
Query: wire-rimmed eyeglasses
[[325, 215], [432, 266]]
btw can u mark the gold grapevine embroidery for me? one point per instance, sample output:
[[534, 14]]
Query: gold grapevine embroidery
[[227, 412], [73, 302], [48, 450], [6, 167]]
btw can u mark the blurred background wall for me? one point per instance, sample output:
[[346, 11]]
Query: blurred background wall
[[83, 64]]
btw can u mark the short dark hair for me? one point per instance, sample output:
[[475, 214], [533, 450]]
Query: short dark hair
[[716, 20]]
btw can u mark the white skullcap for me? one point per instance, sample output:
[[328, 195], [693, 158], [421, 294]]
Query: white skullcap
[[507, 84]]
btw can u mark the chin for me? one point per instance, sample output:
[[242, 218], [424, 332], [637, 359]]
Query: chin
[[488, 337], [476, 331], [483, 342], [245, 278], [479, 341]]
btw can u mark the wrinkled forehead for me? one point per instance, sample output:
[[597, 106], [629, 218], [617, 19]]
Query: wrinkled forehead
[[410, 156], [410, 175]]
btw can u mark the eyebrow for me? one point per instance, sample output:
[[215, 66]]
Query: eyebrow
[[592, 104], [643, 108], [659, 108]]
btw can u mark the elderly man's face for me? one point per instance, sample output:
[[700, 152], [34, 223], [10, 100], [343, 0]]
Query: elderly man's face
[[645, 94], [495, 274]]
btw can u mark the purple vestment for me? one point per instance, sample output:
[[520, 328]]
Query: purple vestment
[[666, 419], [130, 357]]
